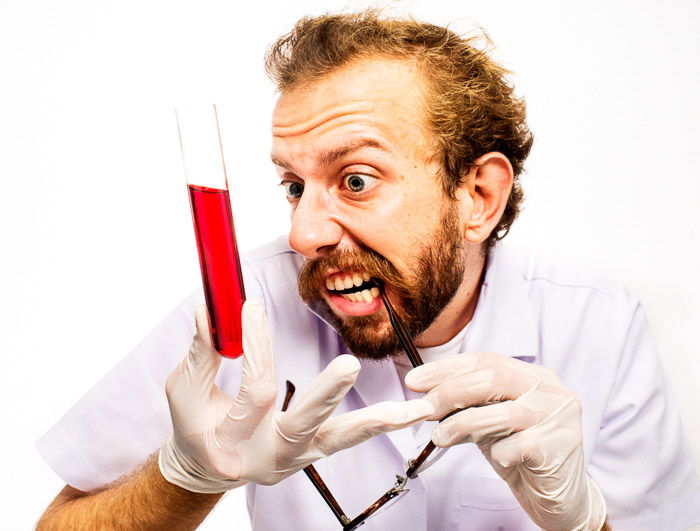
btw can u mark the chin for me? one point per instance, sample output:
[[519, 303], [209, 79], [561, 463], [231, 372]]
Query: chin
[[369, 337]]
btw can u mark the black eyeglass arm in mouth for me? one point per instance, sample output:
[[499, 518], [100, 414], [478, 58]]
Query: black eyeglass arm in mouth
[[404, 337]]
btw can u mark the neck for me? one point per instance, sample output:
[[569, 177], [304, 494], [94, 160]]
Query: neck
[[460, 309]]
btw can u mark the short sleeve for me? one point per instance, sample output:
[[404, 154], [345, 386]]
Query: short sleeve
[[642, 462]]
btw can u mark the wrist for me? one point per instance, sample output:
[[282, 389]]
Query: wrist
[[180, 469]]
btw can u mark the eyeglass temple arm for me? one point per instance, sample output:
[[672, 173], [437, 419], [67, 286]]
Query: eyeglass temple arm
[[418, 462], [322, 489], [414, 357], [313, 475], [404, 337]]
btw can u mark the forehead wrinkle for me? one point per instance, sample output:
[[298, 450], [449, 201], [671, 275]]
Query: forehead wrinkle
[[319, 119]]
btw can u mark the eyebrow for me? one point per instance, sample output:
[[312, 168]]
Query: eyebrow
[[335, 154]]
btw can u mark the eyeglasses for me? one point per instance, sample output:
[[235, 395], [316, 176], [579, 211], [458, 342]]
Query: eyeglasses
[[415, 466]]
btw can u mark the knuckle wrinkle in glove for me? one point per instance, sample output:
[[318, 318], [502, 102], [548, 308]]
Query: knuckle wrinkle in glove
[[293, 429], [261, 394]]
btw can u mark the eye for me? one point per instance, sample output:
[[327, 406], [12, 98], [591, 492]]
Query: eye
[[358, 182], [293, 189]]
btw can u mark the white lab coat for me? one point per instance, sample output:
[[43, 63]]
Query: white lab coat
[[584, 326]]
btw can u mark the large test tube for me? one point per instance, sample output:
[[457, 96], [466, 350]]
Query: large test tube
[[202, 156]]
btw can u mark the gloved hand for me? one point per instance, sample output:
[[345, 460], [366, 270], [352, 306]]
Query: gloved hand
[[528, 428], [220, 442]]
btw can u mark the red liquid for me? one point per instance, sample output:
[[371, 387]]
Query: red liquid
[[221, 269]]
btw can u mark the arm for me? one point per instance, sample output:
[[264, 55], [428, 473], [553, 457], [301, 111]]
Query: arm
[[220, 442], [143, 500]]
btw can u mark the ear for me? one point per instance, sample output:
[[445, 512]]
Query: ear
[[488, 185]]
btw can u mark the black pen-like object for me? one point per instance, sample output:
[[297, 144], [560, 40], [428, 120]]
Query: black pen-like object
[[404, 337]]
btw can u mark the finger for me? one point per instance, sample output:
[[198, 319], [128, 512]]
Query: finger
[[479, 388], [201, 321], [199, 368], [303, 418], [352, 428], [559, 434], [520, 448], [258, 389], [476, 424], [425, 377], [188, 387], [258, 359]]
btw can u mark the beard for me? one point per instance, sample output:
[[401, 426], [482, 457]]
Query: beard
[[419, 294]]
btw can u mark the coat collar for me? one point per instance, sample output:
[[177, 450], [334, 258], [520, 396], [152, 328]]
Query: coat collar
[[503, 321]]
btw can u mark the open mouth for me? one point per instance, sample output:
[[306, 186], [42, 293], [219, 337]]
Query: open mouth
[[353, 287], [353, 293]]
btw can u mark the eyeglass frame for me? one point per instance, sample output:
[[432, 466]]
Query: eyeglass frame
[[413, 464], [395, 491]]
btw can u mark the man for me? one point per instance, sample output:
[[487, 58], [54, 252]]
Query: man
[[399, 146]]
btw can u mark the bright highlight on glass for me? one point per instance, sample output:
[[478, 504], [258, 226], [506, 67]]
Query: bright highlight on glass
[[202, 156]]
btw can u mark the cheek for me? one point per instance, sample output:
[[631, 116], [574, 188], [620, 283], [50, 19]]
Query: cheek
[[396, 226]]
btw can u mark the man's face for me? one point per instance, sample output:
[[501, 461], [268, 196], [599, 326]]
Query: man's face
[[354, 153]]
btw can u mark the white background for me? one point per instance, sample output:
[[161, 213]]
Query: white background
[[96, 241]]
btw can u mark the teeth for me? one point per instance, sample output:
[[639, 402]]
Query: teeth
[[342, 282], [366, 295]]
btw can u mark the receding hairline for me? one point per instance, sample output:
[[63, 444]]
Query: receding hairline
[[423, 87], [402, 34], [306, 81]]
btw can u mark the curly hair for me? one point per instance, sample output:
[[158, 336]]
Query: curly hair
[[471, 106]]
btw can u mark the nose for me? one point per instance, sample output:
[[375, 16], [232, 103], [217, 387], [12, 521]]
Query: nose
[[315, 230]]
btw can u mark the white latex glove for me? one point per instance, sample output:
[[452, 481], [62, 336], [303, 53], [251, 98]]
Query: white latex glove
[[528, 428], [219, 443]]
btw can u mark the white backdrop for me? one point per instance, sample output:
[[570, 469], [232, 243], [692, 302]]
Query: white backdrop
[[96, 241]]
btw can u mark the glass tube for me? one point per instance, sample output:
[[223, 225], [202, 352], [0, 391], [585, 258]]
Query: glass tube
[[207, 185]]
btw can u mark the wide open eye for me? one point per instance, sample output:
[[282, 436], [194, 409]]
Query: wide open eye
[[293, 189], [359, 182]]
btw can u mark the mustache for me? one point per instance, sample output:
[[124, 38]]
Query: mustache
[[313, 273]]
